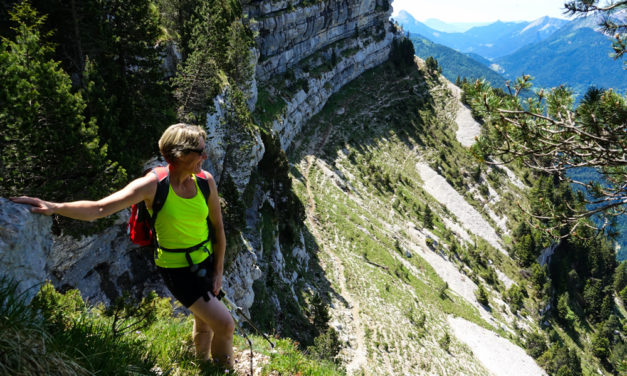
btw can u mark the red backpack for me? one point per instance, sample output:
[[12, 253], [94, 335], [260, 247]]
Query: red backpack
[[141, 226]]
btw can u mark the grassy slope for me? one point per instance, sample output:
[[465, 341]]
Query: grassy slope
[[356, 172]]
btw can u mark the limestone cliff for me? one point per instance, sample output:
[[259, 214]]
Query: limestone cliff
[[310, 49]]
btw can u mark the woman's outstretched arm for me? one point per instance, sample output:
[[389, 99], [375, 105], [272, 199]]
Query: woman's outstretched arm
[[139, 189]]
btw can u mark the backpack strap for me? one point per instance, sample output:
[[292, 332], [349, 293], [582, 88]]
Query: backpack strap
[[203, 183], [163, 185]]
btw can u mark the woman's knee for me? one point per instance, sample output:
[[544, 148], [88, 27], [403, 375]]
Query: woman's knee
[[226, 325]]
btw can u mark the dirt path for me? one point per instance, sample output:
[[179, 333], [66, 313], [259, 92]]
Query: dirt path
[[242, 362], [467, 126]]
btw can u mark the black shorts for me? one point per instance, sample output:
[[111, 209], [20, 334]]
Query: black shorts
[[187, 284]]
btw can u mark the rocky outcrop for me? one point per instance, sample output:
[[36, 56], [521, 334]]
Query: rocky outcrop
[[101, 266], [231, 149], [305, 104], [104, 265], [25, 244]]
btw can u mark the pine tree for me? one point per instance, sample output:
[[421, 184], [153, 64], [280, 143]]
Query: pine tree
[[427, 217], [218, 56], [135, 102], [47, 147], [118, 46], [548, 133]]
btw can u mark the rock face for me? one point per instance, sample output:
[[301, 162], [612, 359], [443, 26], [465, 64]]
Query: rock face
[[25, 244], [104, 265], [309, 51], [231, 149], [290, 31]]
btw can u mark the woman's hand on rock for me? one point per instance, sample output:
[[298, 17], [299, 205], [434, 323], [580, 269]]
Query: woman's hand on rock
[[38, 206]]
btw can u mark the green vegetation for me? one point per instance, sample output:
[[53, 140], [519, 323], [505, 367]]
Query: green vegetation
[[546, 133], [86, 97], [217, 56], [60, 334], [363, 182], [454, 64], [402, 53], [112, 52], [49, 145]]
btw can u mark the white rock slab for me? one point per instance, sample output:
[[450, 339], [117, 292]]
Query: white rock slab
[[498, 355]]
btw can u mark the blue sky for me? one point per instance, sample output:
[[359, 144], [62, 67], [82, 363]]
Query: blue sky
[[480, 10]]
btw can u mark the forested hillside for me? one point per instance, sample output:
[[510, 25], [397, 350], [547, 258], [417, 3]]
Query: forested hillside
[[456, 65]]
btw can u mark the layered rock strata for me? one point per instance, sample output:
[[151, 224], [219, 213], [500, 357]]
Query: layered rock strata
[[290, 30], [310, 49]]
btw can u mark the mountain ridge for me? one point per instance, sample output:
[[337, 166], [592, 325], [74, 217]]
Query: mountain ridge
[[490, 41]]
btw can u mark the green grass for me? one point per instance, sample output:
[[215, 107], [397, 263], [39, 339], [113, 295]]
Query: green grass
[[60, 334], [366, 194]]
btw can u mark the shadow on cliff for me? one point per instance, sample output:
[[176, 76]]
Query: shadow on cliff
[[386, 101]]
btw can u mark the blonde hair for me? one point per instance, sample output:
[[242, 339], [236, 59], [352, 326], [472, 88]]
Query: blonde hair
[[179, 137]]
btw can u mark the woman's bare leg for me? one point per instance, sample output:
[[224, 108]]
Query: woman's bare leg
[[202, 335], [215, 314]]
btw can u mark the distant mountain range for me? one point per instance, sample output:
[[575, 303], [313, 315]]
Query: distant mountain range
[[576, 55], [490, 41], [553, 51], [454, 27]]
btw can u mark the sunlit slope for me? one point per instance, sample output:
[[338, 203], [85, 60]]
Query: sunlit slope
[[396, 284]]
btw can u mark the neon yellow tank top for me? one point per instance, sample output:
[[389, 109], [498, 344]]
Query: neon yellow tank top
[[182, 223]]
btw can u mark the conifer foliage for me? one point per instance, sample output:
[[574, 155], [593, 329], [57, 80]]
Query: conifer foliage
[[217, 54], [402, 52], [549, 133], [48, 147], [112, 50]]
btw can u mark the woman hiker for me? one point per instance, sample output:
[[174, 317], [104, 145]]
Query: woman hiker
[[193, 277]]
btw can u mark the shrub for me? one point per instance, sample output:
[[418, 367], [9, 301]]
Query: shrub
[[91, 337], [535, 344], [326, 346], [402, 53], [482, 295], [429, 242], [445, 341], [515, 297]]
